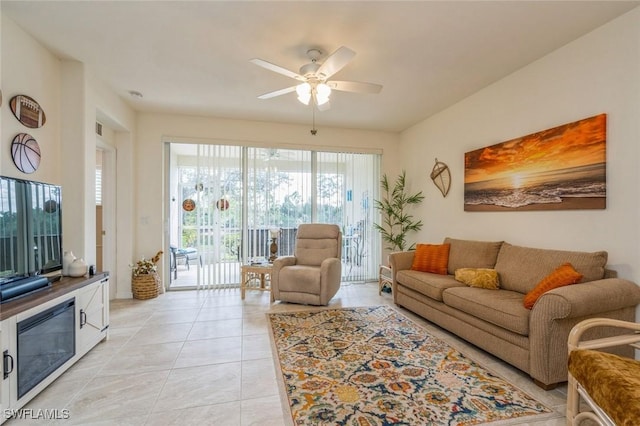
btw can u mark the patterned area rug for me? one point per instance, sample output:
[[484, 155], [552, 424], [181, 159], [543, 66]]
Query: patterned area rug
[[373, 366]]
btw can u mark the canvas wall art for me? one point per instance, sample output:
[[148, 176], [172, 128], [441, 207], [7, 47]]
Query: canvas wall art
[[563, 168]]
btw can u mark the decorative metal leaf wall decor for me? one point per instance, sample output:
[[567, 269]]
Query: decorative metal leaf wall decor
[[441, 177]]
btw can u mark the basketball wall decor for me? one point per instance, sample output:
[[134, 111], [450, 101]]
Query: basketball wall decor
[[27, 111], [25, 153]]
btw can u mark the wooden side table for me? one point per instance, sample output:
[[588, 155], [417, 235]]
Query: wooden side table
[[261, 273], [384, 277]]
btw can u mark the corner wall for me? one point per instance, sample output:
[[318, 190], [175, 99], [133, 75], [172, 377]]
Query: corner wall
[[598, 73], [71, 98]]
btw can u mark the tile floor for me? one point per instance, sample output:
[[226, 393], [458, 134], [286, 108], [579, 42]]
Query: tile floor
[[204, 358]]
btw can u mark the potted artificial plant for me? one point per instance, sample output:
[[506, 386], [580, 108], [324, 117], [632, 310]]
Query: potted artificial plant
[[396, 221]]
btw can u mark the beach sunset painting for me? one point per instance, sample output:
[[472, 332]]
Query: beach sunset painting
[[563, 168]]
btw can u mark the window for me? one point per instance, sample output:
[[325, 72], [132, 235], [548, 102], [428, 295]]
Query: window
[[241, 193]]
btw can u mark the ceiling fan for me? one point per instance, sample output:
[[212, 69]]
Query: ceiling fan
[[314, 78]]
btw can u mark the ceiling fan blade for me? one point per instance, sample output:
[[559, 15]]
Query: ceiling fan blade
[[335, 62], [277, 68], [355, 86], [277, 93]]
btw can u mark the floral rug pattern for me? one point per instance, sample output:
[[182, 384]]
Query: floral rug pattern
[[373, 366]]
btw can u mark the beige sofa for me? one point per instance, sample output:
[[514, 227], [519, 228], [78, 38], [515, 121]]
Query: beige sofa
[[535, 341]]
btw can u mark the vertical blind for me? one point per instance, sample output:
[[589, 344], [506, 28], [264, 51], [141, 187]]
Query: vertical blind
[[241, 194]]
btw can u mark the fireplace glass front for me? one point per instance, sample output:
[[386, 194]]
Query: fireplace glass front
[[45, 342]]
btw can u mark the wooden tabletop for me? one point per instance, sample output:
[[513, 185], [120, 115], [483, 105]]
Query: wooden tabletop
[[59, 288]]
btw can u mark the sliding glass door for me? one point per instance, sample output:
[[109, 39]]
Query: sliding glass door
[[226, 200]]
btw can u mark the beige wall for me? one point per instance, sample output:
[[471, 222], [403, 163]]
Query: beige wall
[[598, 73], [71, 98], [30, 69]]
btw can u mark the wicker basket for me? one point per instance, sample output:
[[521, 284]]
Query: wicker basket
[[145, 286]]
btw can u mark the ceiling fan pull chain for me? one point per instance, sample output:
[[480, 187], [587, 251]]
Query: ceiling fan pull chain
[[313, 117]]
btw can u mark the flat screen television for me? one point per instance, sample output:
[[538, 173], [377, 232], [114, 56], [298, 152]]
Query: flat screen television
[[30, 228]]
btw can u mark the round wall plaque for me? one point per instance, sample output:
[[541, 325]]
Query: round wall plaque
[[51, 206], [188, 205], [222, 204], [25, 153]]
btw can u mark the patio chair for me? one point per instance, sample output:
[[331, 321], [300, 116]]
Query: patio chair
[[312, 275], [188, 254]]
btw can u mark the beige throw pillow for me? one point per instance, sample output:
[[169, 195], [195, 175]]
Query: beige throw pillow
[[478, 277]]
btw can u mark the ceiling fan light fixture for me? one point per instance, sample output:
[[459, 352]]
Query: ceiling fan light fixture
[[321, 100], [304, 93], [323, 90], [322, 93]]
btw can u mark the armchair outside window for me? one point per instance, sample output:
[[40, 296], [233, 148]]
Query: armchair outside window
[[312, 275]]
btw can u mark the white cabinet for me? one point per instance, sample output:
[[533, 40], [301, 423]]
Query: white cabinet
[[7, 366], [92, 315], [88, 299]]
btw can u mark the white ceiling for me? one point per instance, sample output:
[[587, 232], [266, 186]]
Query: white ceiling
[[193, 57]]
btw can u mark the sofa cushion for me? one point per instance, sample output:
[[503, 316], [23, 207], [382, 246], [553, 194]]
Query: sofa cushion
[[522, 268], [478, 277], [561, 276], [431, 285], [613, 382], [431, 258], [471, 254], [500, 307]]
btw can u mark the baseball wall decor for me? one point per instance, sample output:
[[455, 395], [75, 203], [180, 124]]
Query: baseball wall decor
[[25, 153], [27, 111]]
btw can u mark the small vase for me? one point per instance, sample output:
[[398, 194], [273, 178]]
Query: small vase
[[78, 268], [67, 259]]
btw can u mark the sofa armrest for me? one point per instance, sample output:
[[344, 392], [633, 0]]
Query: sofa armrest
[[586, 299], [400, 260], [557, 311]]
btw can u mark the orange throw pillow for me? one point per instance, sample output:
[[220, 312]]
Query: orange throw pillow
[[431, 258], [564, 275]]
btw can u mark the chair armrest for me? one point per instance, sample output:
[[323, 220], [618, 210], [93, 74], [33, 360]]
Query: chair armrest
[[330, 267], [330, 275], [578, 330], [278, 264], [282, 261]]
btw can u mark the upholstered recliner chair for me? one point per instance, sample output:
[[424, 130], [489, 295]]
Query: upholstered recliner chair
[[312, 275]]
